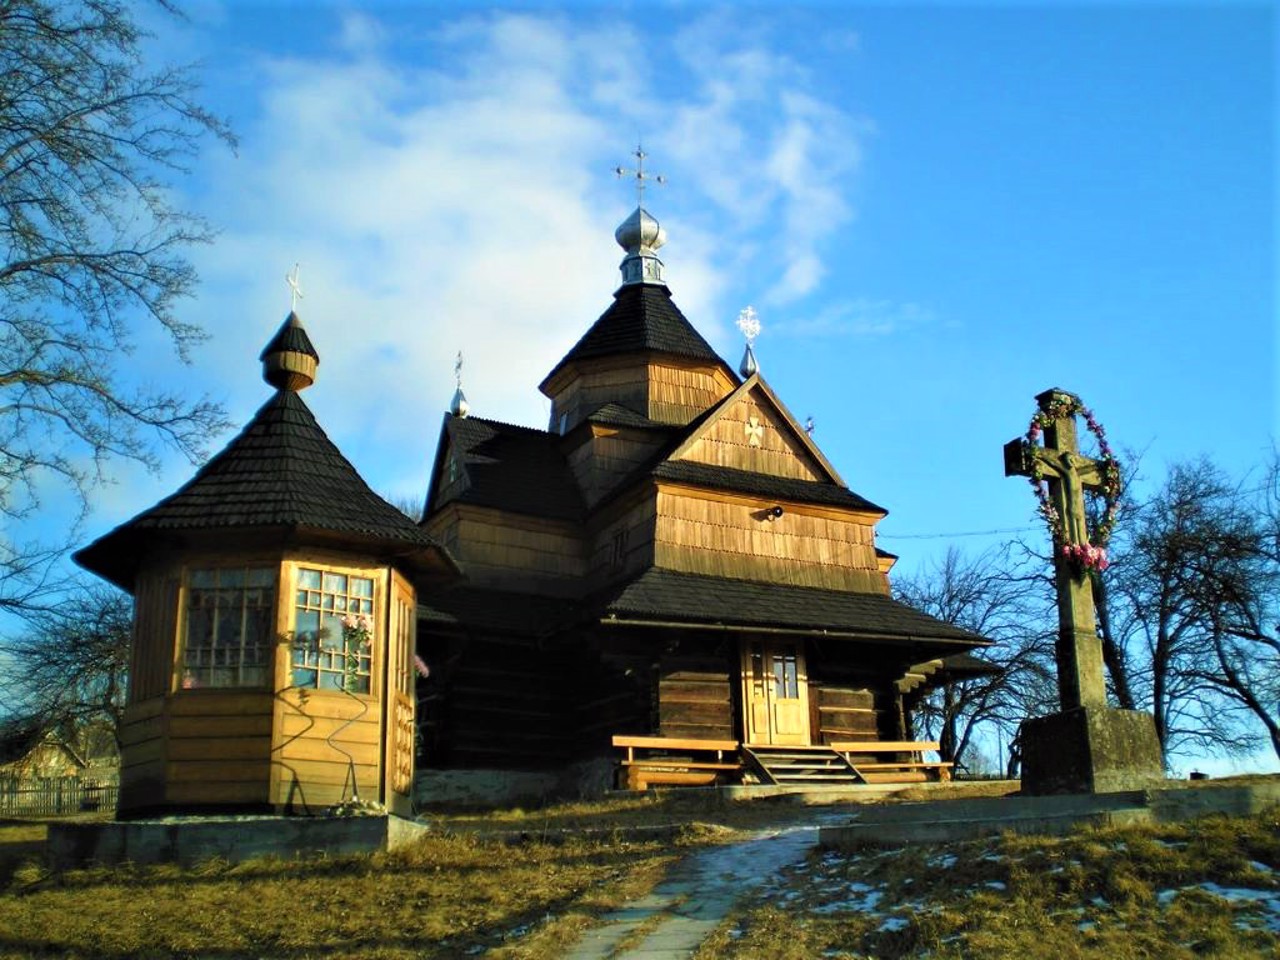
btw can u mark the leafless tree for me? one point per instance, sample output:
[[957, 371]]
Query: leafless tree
[[999, 597], [90, 246], [69, 670], [1195, 593]]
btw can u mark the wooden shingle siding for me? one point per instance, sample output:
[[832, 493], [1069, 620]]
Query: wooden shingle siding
[[679, 392], [714, 536], [625, 545], [610, 456], [777, 451]]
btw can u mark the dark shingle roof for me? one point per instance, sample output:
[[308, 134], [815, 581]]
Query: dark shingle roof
[[761, 484], [665, 595], [514, 468], [641, 319], [281, 471], [290, 338], [616, 415]]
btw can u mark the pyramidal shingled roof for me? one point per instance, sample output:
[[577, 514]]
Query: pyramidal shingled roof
[[642, 318], [282, 471]]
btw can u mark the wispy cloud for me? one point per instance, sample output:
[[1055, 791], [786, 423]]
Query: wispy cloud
[[449, 189], [860, 318]]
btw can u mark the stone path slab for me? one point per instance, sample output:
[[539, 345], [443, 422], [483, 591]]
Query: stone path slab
[[697, 895]]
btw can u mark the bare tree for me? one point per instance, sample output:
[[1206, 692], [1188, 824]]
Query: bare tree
[[69, 670], [1193, 594], [998, 597], [90, 243]]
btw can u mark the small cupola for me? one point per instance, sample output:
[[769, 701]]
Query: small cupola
[[289, 360]]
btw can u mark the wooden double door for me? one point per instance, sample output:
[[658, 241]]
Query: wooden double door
[[775, 693]]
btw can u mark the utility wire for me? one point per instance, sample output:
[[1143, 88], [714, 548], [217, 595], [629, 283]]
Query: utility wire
[[949, 536]]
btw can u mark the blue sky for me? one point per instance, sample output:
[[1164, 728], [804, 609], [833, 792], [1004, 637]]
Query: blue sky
[[937, 210]]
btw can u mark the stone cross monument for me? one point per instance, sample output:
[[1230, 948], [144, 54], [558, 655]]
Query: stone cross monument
[[1087, 747], [1079, 652]]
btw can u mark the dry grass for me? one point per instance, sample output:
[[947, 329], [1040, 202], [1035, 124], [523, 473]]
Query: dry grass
[[448, 896], [1122, 894]]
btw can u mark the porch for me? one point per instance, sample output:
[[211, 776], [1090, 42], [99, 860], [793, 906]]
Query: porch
[[646, 762]]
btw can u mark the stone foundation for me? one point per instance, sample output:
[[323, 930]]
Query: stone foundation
[[586, 780], [1090, 750]]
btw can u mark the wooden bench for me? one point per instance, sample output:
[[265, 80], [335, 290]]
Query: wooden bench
[[675, 761], [886, 768]]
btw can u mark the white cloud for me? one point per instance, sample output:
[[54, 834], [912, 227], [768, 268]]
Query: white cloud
[[860, 318], [454, 194]]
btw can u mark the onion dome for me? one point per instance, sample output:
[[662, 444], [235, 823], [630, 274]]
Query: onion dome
[[748, 365], [459, 406], [289, 360], [641, 236]]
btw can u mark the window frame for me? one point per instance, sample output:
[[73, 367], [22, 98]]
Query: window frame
[[183, 680], [377, 615]]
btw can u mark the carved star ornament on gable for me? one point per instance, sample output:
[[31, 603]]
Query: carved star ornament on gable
[[755, 430]]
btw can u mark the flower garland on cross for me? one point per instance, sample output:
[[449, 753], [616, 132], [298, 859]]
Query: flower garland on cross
[[1089, 555]]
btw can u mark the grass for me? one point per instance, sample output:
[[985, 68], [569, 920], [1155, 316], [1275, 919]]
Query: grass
[[1122, 894], [521, 884], [451, 895]]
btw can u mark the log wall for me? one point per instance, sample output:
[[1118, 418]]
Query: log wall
[[695, 697], [844, 712], [717, 535]]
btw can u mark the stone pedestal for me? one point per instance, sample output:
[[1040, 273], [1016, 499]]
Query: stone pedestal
[[1090, 750]]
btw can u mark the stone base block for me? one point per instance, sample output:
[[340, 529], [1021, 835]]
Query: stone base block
[[193, 839], [1090, 750]]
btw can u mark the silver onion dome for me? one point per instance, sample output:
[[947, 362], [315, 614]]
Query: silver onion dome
[[641, 235]]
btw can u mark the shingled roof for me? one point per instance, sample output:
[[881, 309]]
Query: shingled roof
[[689, 599], [513, 468], [642, 318], [282, 471], [762, 484]]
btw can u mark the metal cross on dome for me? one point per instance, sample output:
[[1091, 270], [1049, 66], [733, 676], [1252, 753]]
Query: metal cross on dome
[[639, 174], [295, 288]]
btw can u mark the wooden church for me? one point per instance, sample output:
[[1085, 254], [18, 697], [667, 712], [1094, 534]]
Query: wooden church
[[672, 567], [671, 577]]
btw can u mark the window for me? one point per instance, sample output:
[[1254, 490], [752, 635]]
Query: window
[[230, 612], [333, 631]]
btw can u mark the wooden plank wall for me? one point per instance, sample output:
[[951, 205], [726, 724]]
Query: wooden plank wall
[[665, 389], [695, 697], [219, 747], [142, 730], [155, 627], [602, 383], [727, 443], [719, 537], [313, 772]]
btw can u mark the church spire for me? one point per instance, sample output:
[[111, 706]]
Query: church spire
[[640, 234]]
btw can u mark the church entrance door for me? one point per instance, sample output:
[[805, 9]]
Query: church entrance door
[[775, 693]]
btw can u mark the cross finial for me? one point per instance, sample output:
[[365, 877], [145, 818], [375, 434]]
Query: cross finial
[[457, 370], [639, 174], [295, 289], [749, 324], [459, 406]]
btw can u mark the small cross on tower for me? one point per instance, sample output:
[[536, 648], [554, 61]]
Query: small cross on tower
[[1069, 474], [639, 174]]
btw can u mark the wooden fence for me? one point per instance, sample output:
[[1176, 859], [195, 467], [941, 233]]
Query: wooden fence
[[56, 796]]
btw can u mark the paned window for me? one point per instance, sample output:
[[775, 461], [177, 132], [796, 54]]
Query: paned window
[[230, 613], [333, 631]]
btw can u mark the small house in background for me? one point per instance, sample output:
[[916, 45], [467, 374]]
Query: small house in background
[[673, 564], [31, 751], [275, 622]]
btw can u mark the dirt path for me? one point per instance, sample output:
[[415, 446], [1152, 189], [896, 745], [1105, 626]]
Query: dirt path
[[697, 895]]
